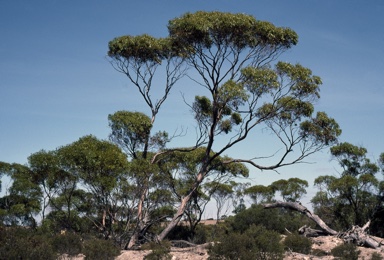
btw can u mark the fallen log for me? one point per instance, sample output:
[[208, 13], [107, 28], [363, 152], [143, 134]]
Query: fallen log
[[310, 232], [300, 208], [356, 234]]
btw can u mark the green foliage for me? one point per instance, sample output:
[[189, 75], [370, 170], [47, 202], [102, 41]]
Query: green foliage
[[68, 243], [355, 196], [297, 243], [376, 256], [272, 219], [260, 193], [130, 130], [142, 48], [160, 251], [239, 30], [292, 189], [321, 129], [353, 160], [100, 249], [22, 201], [255, 243], [24, 243], [346, 252]]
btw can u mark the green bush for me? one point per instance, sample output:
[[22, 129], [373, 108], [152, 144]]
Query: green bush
[[160, 251], [98, 249], [298, 244], [68, 243], [376, 256], [346, 252], [23, 243], [255, 243], [278, 219]]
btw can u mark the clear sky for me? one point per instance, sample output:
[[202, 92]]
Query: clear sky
[[56, 84]]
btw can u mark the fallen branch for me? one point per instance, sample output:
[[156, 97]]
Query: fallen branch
[[356, 234], [300, 208]]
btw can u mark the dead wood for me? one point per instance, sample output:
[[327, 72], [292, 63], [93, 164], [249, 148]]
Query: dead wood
[[310, 232], [356, 234], [300, 208]]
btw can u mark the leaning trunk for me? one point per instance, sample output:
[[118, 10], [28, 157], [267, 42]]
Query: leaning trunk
[[180, 212]]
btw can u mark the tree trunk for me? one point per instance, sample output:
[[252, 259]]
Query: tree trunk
[[139, 222], [180, 212], [175, 220]]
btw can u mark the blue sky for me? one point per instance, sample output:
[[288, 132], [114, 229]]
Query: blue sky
[[56, 84]]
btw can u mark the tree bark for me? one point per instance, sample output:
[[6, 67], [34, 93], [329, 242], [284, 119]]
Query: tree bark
[[180, 212], [176, 218]]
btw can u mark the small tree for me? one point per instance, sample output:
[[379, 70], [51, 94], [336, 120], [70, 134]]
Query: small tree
[[22, 200], [99, 165], [352, 198], [290, 190]]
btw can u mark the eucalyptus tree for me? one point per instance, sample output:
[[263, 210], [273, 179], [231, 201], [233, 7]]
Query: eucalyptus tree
[[354, 197], [99, 166], [21, 202], [221, 193], [292, 189], [260, 193], [131, 131], [233, 59]]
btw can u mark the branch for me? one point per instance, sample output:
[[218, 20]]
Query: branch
[[300, 208]]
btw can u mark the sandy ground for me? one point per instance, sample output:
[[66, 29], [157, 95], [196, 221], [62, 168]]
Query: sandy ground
[[325, 243]]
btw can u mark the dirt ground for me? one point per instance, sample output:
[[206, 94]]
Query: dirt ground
[[325, 243]]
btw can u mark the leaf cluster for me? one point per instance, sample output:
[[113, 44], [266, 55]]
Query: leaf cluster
[[237, 30]]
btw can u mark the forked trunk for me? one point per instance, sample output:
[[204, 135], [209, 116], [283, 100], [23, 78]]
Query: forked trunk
[[180, 212]]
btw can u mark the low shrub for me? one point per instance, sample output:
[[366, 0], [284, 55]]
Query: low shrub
[[346, 252], [23, 243], [98, 249], [298, 243], [376, 256], [68, 243], [255, 243], [160, 251]]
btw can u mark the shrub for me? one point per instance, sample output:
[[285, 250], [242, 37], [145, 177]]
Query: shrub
[[346, 252], [255, 243], [68, 243], [160, 251], [376, 256], [22, 243], [273, 219], [97, 249], [298, 244]]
